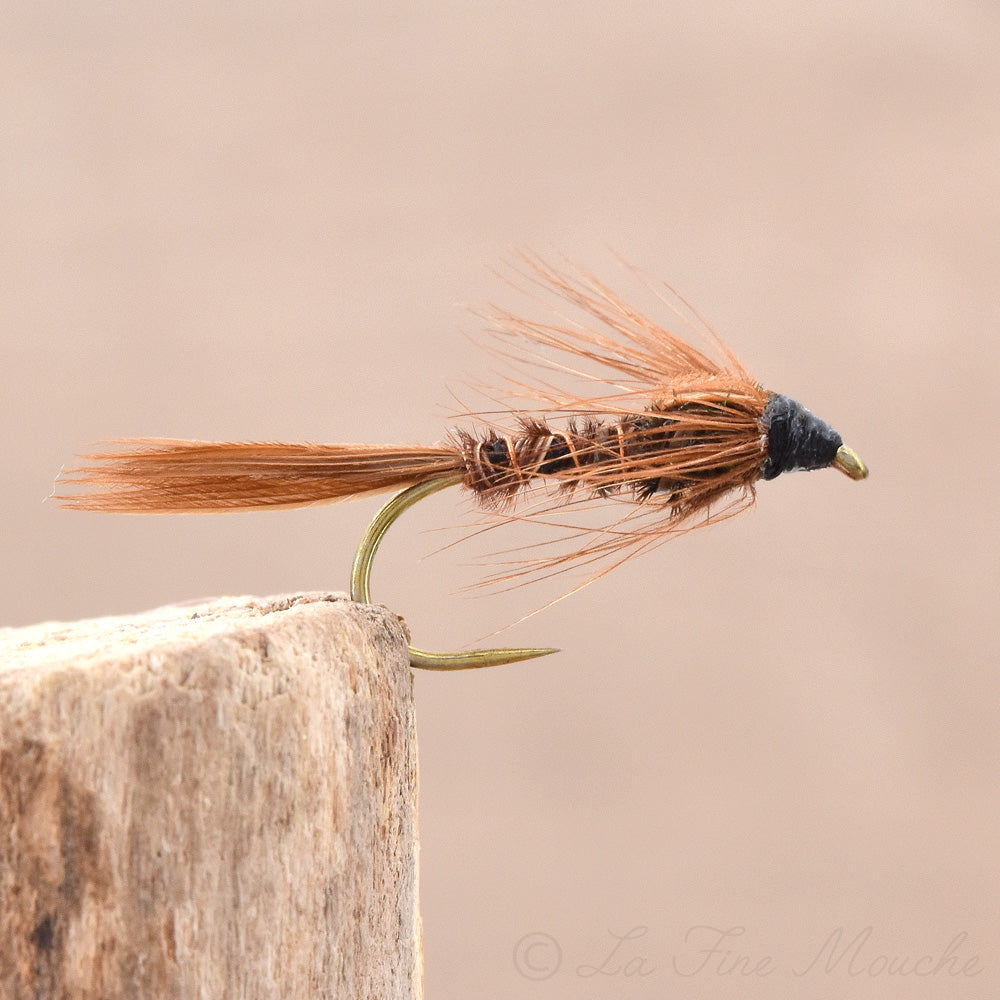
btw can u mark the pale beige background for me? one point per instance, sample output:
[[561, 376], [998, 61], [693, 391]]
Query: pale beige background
[[269, 220]]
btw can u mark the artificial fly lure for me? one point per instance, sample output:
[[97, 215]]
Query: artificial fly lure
[[670, 431]]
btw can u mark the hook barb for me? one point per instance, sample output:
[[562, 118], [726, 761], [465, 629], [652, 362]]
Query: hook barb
[[361, 570]]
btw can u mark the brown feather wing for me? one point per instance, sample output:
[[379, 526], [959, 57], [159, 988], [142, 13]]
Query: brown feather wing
[[164, 476]]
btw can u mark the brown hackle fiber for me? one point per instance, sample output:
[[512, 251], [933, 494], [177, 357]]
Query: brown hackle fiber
[[666, 428]]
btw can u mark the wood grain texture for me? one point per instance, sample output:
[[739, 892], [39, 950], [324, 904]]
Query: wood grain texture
[[210, 800]]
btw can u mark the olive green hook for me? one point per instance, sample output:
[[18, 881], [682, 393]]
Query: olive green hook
[[370, 542], [849, 463]]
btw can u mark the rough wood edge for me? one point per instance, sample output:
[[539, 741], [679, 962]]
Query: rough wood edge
[[208, 800]]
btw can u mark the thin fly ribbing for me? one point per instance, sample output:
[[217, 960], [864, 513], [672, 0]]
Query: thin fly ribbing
[[673, 454]]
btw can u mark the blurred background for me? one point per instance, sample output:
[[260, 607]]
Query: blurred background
[[765, 764]]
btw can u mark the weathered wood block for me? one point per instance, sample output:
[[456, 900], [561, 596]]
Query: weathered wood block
[[215, 800]]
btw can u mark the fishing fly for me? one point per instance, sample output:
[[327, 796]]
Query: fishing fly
[[678, 437]]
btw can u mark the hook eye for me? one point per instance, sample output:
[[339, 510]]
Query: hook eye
[[848, 462], [361, 570]]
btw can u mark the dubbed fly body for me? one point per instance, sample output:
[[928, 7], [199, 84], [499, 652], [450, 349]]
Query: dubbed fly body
[[680, 437]]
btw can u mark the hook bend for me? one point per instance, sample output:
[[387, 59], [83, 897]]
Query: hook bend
[[361, 570]]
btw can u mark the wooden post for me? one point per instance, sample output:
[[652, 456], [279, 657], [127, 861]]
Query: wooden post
[[216, 800]]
